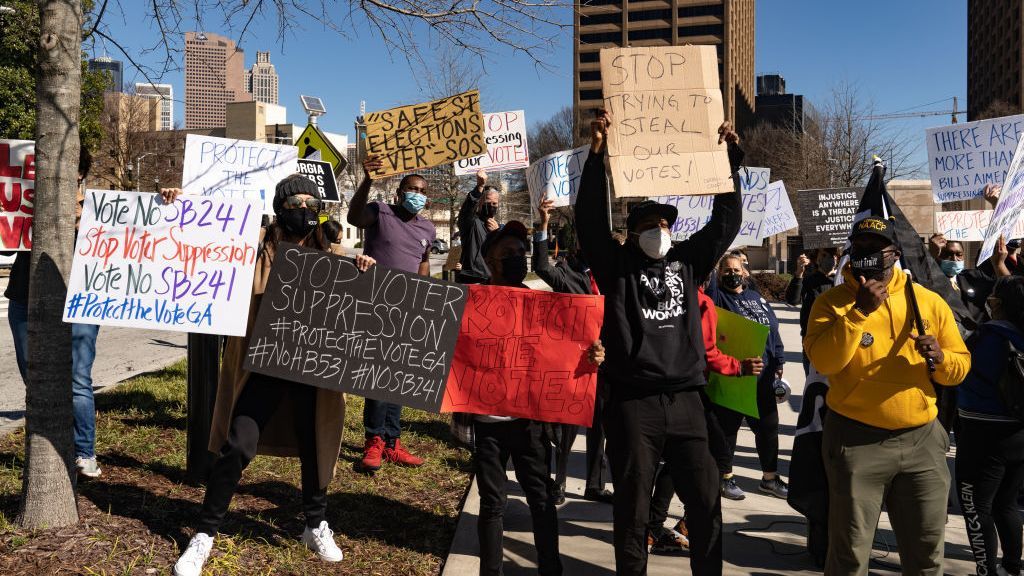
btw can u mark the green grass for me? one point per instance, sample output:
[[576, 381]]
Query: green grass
[[138, 515]]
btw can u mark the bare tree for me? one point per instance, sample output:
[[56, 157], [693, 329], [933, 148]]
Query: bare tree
[[553, 134], [129, 124], [997, 109]]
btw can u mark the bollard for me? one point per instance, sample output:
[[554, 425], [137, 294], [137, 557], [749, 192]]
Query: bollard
[[203, 369]]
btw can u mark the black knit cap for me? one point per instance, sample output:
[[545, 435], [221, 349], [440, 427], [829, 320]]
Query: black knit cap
[[292, 185], [647, 207]]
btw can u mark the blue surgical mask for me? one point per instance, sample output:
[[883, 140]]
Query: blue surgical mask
[[414, 202], [951, 267]]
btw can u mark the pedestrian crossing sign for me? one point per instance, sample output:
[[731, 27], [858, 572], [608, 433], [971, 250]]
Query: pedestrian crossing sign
[[313, 145]]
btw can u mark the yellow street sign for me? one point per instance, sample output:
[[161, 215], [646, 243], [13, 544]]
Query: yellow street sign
[[313, 145]]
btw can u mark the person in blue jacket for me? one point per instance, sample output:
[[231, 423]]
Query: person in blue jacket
[[990, 437], [731, 293]]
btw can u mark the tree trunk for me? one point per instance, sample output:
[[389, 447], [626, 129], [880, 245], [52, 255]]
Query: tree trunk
[[48, 489]]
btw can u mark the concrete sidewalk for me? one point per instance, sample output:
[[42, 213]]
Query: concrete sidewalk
[[763, 535]]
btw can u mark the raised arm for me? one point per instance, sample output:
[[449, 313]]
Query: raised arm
[[359, 215], [593, 230], [552, 275], [833, 336], [468, 210]]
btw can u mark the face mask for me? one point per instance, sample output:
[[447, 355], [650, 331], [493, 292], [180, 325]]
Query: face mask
[[655, 243], [414, 202], [870, 266], [951, 267], [513, 268], [732, 281], [488, 211], [298, 222]]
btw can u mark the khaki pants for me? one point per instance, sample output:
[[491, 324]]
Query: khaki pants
[[908, 469]]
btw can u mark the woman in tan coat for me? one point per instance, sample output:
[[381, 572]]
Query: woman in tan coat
[[258, 414]]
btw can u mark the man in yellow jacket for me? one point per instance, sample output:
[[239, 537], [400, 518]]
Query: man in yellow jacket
[[881, 438]]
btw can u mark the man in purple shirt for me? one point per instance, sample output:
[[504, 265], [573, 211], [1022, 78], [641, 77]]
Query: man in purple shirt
[[396, 237]]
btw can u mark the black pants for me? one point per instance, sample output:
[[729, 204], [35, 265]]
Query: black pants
[[256, 404], [564, 437], [596, 461], [663, 487], [765, 429], [989, 473], [523, 441], [640, 432]]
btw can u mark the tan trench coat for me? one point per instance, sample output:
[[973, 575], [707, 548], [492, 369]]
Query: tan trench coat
[[278, 439]]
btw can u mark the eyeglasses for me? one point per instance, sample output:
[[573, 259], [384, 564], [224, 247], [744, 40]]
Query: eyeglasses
[[294, 202]]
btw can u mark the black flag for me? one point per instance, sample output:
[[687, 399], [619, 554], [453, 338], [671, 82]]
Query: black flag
[[924, 269]]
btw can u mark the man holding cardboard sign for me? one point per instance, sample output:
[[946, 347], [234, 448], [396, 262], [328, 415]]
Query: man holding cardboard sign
[[666, 107]]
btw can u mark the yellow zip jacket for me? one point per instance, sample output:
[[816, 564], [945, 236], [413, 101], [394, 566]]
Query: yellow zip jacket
[[876, 376]]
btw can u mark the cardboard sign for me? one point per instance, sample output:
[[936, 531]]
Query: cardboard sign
[[227, 168], [557, 176], [963, 158], [1008, 209], [321, 174], [186, 266], [739, 338], [505, 136], [381, 334], [17, 189], [970, 225], [524, 353], [426, 135], [695, 211], [778, 212], [826, 216], [666, 107], [313, 145]]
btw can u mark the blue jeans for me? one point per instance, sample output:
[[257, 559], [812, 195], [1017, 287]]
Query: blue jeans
[[83, 353], [382, 419]]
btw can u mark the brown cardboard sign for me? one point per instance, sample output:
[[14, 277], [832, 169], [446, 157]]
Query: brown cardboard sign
[[666, 107], [428, 134]]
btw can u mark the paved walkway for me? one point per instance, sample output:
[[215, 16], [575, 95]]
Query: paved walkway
[[763, 535]]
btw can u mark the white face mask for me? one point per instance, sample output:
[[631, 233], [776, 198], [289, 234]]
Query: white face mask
[[655, 243]]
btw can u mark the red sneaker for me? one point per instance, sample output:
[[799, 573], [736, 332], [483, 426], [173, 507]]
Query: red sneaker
[[400, 456], [373, 450]]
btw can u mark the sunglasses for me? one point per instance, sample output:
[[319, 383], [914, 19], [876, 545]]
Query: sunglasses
[[294, 202]]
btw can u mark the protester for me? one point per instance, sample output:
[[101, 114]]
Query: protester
[[476, 219], [259, 414], [881, 438], [397, 237], [660, 539], [990, 434], [571, 276], [935, 243], [332, 231], [655, 365], [730, 294], [823, 262], [748, 280], [83, 344], [499, 438]]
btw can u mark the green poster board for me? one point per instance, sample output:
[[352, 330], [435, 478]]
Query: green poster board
[[739, 338]]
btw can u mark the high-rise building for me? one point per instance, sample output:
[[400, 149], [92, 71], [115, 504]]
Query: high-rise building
[[261, 79], [727, 24], [163, 92], [114, 67], [777, 108], [214, 77], [995, 39]]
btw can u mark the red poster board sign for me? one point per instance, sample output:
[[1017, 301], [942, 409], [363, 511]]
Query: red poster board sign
[[524, 353]]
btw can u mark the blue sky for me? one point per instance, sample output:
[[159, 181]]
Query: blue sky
[[901, 55]]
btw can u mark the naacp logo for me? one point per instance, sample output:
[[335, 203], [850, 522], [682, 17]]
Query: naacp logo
[[872, 224], [866, 339]]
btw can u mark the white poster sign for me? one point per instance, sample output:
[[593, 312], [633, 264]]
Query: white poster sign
[[557, 176], [1011, 201], [963, 158], [228, 168], [778, 211], [505, 136], [17, 192], [695, 211]]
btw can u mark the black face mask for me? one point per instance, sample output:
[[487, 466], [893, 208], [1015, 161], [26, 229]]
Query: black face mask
[[298, 222], [871, 266], [488, 211], [513, 268], [732, 281]]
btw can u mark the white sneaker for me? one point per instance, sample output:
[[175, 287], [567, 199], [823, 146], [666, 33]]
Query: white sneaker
[[192, 560], [88, 467], [321, 541]]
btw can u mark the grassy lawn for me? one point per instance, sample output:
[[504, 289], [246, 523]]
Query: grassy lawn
[[138, 515]]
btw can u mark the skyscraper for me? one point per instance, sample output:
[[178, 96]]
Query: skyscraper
[[114, 67], [261, 79], [214, 77], [727, 24], [165, 93], [995, 39]]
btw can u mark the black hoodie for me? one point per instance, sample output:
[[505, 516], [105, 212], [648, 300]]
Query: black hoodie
[[651, 334]]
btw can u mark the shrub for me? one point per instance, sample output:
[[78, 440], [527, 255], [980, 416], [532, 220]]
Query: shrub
[[772, 285]]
